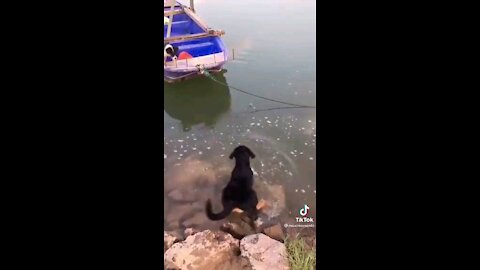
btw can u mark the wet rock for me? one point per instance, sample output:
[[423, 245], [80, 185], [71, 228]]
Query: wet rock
[[264, 253], [261, 221], [265, 221], [223, 173], [205, 250], [274, 196], [192, 173], [178, 213], [275, 232], [183, 195], [175, 195], [190, 231], [197, 220], [234, 229], [169, 238], [204, 193], [166, 205], [238, 225], [199, 205]]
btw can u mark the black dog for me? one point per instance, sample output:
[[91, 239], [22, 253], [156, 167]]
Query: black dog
[[239, 191]]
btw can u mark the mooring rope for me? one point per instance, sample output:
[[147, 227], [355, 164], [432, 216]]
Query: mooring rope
[[210, 76]]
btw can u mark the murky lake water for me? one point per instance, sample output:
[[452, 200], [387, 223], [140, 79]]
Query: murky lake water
[[275, 43]]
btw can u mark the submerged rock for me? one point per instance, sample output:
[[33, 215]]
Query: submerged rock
[[178, 213], [193, 173], [197, 220], [190, 231], [189, 186], [274, 195], [264, 253], [183, 195]]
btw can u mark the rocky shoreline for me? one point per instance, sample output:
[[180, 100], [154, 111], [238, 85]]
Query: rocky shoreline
[[210, 250], [220, 250], [192, 242]]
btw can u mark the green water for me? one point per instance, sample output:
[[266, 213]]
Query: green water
[[275, 43]]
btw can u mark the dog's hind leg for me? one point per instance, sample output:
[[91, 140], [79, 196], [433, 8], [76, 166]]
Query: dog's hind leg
[[250, 208], [252, 216]]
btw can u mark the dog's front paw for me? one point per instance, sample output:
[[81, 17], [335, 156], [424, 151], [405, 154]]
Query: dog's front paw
[[261, 204]]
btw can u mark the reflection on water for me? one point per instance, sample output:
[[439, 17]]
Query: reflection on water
[[197, 101]]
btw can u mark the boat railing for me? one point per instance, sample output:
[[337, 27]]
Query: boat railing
[[191, 65]]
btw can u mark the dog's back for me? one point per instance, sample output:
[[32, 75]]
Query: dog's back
[[242, 176], [242, 172], [238, 193], [237, 190]]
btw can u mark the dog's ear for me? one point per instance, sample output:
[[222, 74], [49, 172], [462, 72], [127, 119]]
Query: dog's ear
[[175, 50], [232, 155], [250, 153]]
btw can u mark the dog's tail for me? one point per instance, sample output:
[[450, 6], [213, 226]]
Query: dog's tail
[[226, 211]]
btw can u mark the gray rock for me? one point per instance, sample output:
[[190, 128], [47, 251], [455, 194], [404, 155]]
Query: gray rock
[[169, 238], [170, 266], [205, 250], [264, 253]]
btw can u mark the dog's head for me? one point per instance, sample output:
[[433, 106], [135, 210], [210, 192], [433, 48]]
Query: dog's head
[[242, 150], [171, 51]]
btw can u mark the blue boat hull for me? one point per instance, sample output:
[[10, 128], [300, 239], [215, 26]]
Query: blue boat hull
[[173, 76], [203, 48], [208, 51]]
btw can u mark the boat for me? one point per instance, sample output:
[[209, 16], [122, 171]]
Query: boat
[[199, 46]]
